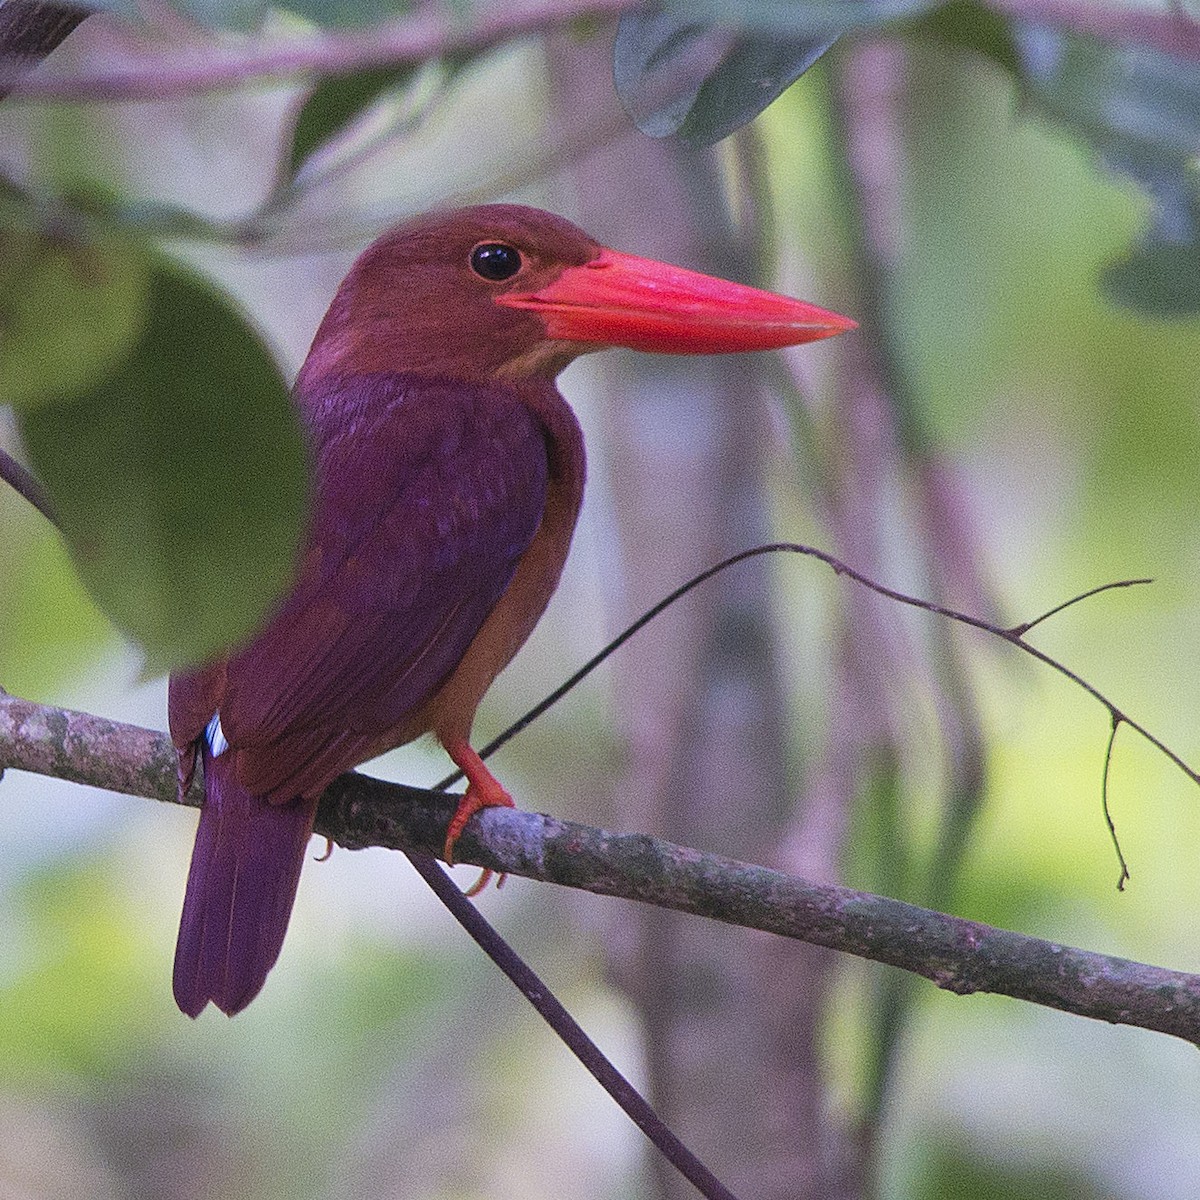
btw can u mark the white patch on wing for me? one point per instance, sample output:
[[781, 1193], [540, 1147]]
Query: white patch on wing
[[215, 736]]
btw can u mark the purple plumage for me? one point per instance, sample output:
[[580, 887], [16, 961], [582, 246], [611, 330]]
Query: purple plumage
[[427, 493], [448, 477], [242, 883]]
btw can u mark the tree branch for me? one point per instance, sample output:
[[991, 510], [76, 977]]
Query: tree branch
[[356, 812], [1173, 31], [430, 33], [192, 70]]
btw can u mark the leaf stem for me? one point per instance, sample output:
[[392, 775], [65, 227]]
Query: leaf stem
[[24, 484]]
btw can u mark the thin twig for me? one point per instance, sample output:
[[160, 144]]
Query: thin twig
[[1112, 829], [1012, 635], [1019, 631], [27, 486], [342, 232]]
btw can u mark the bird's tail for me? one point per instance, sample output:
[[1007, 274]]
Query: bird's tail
[[240, 890]]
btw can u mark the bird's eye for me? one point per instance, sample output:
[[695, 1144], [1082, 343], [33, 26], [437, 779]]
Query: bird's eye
[[495, 261]]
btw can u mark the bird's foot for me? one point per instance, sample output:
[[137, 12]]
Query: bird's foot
[[484, 790]]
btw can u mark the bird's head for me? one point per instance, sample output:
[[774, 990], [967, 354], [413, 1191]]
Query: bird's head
[[503, 292]]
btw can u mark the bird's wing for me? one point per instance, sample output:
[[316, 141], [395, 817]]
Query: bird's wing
[[428, 493], [192, 699]]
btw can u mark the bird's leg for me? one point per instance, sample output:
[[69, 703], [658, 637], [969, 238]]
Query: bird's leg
[[484, 790]]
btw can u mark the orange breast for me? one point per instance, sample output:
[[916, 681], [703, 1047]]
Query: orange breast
[[452, 710], [450, 713]]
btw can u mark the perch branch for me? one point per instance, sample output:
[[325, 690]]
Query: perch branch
[[958, 955]]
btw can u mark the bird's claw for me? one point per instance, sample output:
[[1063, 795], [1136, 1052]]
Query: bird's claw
[[484, 790]]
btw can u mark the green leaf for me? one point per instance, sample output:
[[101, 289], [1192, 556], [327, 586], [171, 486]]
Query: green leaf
[[334, 103], [1160, 278], [664, 78], [349, 13], [70, 309], [756, 72], [1139, 110], [659, 67], [179, 477], [703, 69], [968, 25]]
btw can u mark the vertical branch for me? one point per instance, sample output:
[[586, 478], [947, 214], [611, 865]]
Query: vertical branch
[[866, 121], [868, 95]]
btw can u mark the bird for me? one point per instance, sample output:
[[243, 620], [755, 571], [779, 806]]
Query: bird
[[447, 474]]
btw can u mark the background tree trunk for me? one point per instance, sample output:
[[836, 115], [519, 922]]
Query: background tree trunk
[[731, 1020]]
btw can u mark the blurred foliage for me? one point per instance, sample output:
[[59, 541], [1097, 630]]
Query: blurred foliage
[[71, 309], [1138, 108], [955, 1173], [969, 26], [80, 286], [1140, 111], [157, 418], [334, 103], [247, 15], [50, 627], [71, 1010], [753, 71], [178, 474]]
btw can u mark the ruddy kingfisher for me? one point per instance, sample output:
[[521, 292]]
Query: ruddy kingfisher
[[447, 476]]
